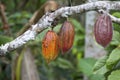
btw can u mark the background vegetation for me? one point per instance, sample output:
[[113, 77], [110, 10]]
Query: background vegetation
[[70, 66]]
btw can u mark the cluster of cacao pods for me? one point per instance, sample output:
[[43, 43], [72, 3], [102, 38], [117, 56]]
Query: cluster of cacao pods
[[103, 30], [53, 43]]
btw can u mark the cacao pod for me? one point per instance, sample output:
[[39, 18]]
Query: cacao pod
[[66, 36], [50, 46], [103, 30]]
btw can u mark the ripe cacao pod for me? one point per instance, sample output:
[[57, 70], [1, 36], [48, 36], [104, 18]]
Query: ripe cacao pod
[[66, 36], [103, 30], [50, 46]]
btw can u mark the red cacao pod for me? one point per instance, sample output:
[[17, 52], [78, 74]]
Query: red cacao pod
[[50, 46], [103, 30], [66, 36]]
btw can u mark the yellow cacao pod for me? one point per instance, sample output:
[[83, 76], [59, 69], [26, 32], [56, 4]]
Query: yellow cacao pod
[[50, 46]]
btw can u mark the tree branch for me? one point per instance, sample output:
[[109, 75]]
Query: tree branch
[[48, 18]]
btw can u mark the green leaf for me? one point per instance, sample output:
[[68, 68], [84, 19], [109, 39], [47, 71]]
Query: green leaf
[[77, 25], [5, 39], [102, 70], [100, 63], [17, 14], [41, 36], [86, 65], [116, 38], [97, 77], [42, 1], [116, 14], [115, 75], [65, 64], [57, 28], [114, 57], [116, 26]]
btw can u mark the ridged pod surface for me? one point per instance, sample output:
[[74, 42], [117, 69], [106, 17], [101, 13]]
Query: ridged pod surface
[[50, 46], [103, 30], [66, 36]]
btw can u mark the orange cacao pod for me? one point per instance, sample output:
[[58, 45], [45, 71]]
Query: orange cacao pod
[[66, 36], [103, 30], [50, 46]]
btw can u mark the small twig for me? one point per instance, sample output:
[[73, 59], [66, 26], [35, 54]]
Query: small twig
[[114, 19]]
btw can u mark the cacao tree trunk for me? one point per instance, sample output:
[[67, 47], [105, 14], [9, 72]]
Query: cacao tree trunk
[[28, 68]]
